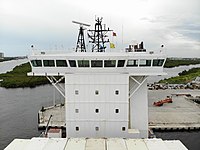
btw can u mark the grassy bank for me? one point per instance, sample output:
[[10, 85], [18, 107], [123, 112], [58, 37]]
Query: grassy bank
[[183, 77], [18, 78], [170, 62]]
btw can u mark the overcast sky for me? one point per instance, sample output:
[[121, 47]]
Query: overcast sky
[[47, 24]]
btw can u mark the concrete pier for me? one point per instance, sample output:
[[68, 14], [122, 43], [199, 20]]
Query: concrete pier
[[182, 114], [57, 119]]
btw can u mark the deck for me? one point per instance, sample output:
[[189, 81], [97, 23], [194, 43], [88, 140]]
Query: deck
[[91, 144]]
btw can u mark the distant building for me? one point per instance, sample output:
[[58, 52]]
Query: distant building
[[1, 55]]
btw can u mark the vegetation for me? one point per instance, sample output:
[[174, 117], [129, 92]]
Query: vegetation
[[170, 62], [6, 59], [18, 78], [183, 77]]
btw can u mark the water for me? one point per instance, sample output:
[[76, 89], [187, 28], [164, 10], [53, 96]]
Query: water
[[191, 139], [19, 108], [9, 65], [171, 72]]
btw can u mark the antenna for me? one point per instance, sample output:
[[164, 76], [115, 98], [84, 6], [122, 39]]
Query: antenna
[[80, 23], [80, 46], [98, 36]]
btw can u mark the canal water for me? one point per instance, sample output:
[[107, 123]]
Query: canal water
[[19, 108], [9, 65]]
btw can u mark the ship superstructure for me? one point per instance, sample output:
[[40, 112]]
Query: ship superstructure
[[105, 92]]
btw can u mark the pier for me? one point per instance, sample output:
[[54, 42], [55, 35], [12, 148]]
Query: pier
[[182, 114], [56, 121]]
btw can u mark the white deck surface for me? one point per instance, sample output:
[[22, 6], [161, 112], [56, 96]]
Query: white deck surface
[[94, 144]]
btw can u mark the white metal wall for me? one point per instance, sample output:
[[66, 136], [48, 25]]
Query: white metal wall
[[82, 102], [139, 106]]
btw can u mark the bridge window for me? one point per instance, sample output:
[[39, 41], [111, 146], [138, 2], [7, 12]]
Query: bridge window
[[144, 62], [120, 63], [49, 63], [96, 63], [72, 63], [83, 63], [158, 62], [132, 63], [61, 63], [109, 63], [36, 63]]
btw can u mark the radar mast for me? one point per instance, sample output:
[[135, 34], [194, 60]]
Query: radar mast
[[98, 37], [80, 46]]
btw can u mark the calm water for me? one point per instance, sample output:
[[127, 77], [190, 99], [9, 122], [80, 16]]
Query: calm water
[[19, 108], [9, 65], [171, 72]]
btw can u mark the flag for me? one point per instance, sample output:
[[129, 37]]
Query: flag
[[112, 45], [114, 34]]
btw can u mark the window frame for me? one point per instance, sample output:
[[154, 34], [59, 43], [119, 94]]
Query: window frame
[[119, 64], [65, 65], [47, 63], [34, 63], [96, 61], [72, 63], [83, 63], [110, 63], [134, 64]]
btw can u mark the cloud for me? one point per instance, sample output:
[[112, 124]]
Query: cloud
[[49, 22]]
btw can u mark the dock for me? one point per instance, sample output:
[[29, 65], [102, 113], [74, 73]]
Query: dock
[[182, 114], [58, 117]]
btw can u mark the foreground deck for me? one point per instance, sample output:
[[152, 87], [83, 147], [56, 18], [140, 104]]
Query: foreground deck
[[94, 144]]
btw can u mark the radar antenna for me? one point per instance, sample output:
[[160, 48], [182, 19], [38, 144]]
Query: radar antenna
[[80, 46], [98, 36]]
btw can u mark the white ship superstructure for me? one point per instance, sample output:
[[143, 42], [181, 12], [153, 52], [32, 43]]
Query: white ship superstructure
[[105, 95], [105, 92]]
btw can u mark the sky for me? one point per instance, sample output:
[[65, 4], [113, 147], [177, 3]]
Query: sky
[[47, 24]]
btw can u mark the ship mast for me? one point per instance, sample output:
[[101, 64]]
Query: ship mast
[[80, 46], [98, 36]]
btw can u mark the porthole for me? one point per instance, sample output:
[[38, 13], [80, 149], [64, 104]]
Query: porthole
[[97, 128], [123, 128], [97, 110], [116, 110], [77, 128], [117, 92], [96, 92], [76, 92], [76, 110]]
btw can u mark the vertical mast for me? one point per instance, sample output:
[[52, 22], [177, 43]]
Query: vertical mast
[[80, 46], [98, 36]]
